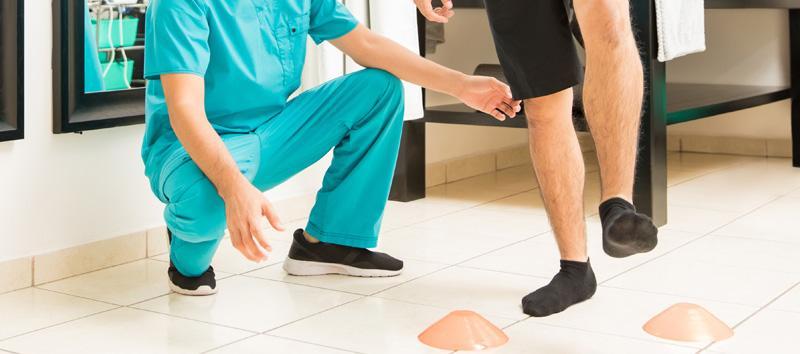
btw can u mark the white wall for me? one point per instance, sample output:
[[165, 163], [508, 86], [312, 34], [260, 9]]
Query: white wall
[[743, 47], [64, 190]]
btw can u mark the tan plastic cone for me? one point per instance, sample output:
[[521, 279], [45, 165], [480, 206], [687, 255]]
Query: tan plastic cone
[[463, 330], [689, 323]]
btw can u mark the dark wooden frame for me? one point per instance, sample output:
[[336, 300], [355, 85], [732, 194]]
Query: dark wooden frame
[[663, 104], [73, 109], [12, 76]]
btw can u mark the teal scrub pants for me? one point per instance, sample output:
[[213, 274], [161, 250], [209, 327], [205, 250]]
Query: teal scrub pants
[[359, 115]]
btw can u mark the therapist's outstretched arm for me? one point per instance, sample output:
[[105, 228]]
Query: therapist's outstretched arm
[[485, 94], [245, 205]]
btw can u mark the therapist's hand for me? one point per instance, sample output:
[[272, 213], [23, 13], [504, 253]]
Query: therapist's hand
[[439, 14], [245, 208], [489, 96]]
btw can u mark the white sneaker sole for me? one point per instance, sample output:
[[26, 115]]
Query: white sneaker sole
[[204, 290], [307, 268]]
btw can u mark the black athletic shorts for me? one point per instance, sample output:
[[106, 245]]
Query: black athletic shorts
[[535, 46]]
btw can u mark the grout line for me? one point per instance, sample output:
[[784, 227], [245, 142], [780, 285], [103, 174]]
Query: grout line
[[720, 169], [650, 292], [687, 243], [515, 322], [60, 323], [78, 296], [421, 276], [296, 284], [231, 343], [274, 336], [759, 310], [313, 314], [751, 238], [630, 337], [33, 271], [191, 319], [22, 288], [376, 295], [131, 305], [311, 343], [91, 271], [448, 309]]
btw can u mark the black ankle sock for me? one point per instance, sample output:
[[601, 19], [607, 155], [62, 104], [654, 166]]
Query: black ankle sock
[[574, 283], [626, 232]]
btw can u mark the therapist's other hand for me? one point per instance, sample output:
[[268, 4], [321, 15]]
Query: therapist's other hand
[[489, 96], [245, 208], [439, 14]]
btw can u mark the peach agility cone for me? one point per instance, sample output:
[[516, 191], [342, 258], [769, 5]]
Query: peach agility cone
[[463, 330], [689, 323]]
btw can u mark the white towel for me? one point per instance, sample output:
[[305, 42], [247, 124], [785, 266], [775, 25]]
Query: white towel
[[681, 28], [394, 19]]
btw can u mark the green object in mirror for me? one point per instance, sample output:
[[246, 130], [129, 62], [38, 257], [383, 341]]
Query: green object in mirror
[[114, 45]]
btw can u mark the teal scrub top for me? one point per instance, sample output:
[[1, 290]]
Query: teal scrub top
[[250, 52]]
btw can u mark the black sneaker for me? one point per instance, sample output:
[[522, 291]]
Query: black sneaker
[[205, 284], [306, 258]]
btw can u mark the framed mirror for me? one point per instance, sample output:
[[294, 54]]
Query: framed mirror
[[11, 70], [98, 64]]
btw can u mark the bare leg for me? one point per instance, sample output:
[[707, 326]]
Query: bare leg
[[613, 91], [613, 102], [558, 162]]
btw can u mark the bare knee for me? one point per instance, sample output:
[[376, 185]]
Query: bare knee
[[604, 23], [548, 109]]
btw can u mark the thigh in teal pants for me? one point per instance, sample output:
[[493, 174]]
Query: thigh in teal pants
[[358, 115]]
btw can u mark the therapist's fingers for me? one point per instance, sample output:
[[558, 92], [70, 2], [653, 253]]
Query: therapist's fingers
[[258, 234], [236, 240], [426, 8], [247, 240], [515, 105], [255, 254], [492, 111], [508, 110], [446, 11], [272, 215]]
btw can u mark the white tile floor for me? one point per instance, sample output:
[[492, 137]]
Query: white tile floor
[[732, 246]]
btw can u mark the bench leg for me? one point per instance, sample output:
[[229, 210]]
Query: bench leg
[[650, 190], [794, 45], [409, 175]]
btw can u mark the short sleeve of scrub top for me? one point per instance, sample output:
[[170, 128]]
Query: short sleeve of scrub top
[[178, 40], [330, 19]]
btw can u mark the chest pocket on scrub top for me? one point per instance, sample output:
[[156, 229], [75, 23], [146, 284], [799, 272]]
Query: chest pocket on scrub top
[[292, 35]]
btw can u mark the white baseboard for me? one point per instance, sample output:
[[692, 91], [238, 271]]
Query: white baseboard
[[89, 257], [52, 266], [731, 145], [16, 274]]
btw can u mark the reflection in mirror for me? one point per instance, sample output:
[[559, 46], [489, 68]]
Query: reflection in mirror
[[114, 45]]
